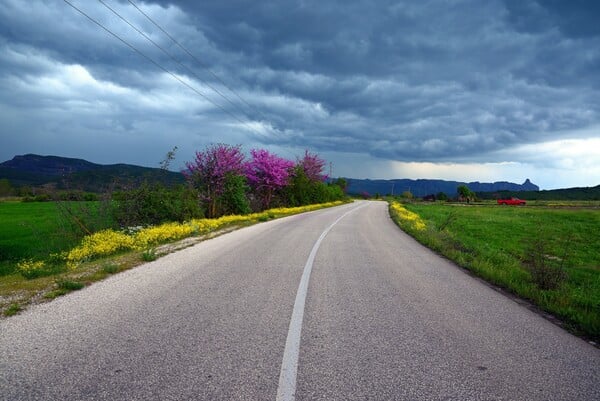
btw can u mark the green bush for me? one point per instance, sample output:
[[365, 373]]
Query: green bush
[[234, 200], [302, 191], [152, 204]]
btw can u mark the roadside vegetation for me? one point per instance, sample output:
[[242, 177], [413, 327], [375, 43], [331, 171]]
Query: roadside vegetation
[[108, 252], [548, 255], [49, 248]]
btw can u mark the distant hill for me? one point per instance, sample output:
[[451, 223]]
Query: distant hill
[[577, 193], [68, 173], [420, 188]]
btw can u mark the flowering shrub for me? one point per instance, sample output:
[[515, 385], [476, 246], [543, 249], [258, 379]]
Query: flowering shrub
[[313, 166], [102, 243], [267, 173], [162, 233], [210, 171], [228, 183], [31, 268], [407, 217]]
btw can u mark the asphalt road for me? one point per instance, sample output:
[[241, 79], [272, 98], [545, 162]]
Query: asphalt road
[[383, 319]]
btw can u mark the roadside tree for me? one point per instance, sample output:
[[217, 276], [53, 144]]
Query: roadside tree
[[465, 194], [211, 170], [267, 173]]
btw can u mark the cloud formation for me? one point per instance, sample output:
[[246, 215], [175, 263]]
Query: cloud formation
[[390, 83]]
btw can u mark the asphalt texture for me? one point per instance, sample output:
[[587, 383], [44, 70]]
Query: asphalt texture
[[384, 319]]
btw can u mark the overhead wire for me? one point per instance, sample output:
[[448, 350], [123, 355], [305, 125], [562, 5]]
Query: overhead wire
[[155, 63], [202, 64], [162, 49], [173, 75]]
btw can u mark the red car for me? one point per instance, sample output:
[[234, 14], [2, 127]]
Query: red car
[[511, 201]]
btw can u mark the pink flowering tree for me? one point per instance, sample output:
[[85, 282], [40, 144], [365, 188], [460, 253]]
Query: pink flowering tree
[[313, 166], [267, 173], [210, 172]]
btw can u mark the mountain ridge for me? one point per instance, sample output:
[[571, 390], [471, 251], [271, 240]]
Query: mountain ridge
[[423, 187], [65, 172], [72, 173]]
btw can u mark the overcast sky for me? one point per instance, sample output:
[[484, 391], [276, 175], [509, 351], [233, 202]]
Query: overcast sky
[[464, 90]]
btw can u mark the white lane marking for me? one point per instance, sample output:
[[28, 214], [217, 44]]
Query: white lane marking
[[289, 367]]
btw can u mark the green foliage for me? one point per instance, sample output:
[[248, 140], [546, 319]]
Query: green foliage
[[303, 191], [70, 285], [31, 269], [110, 268], [233, 200], [78, 219], [407, 195], [299, 191], [31, 230], [149, 255], [64, 287], [6, 188], [76, 196], [38, 198], [545, 272], [13, 309], [342, 183], [441, 196], [446, 222], [465, 193], [152, 204]]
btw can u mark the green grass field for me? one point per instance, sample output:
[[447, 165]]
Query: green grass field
[[27, 230], [505, 245], [38, 229]]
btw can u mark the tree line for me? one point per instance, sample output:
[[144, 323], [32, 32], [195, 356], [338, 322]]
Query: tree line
[[222, 180]]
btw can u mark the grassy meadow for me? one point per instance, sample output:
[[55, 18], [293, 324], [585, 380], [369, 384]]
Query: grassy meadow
[[35, 230], [28, 230], [547, 254]]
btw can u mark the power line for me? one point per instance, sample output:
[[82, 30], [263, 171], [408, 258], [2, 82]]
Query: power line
[[169, 55], [152, 61], [155, 63], [203, 65]]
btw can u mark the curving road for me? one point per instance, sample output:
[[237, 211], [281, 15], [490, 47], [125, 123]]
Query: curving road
[[382, 318]]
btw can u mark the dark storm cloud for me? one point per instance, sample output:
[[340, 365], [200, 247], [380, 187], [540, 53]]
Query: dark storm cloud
[[435, 81], [462, 81]]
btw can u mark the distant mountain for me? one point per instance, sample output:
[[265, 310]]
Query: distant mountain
[[576, 193], [68, 173], [424, 187], [49, 166]]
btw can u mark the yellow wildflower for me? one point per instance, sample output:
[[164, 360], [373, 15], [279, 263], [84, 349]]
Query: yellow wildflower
[[406, 216]]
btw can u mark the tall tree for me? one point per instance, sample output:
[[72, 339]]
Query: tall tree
[[465, 193], [313, 166], [210, 170], [267, 173]]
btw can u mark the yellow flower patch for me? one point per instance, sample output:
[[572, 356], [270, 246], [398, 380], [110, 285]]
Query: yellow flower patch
[[102, 243], [162, 233], [406, 216], [29, 266]]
